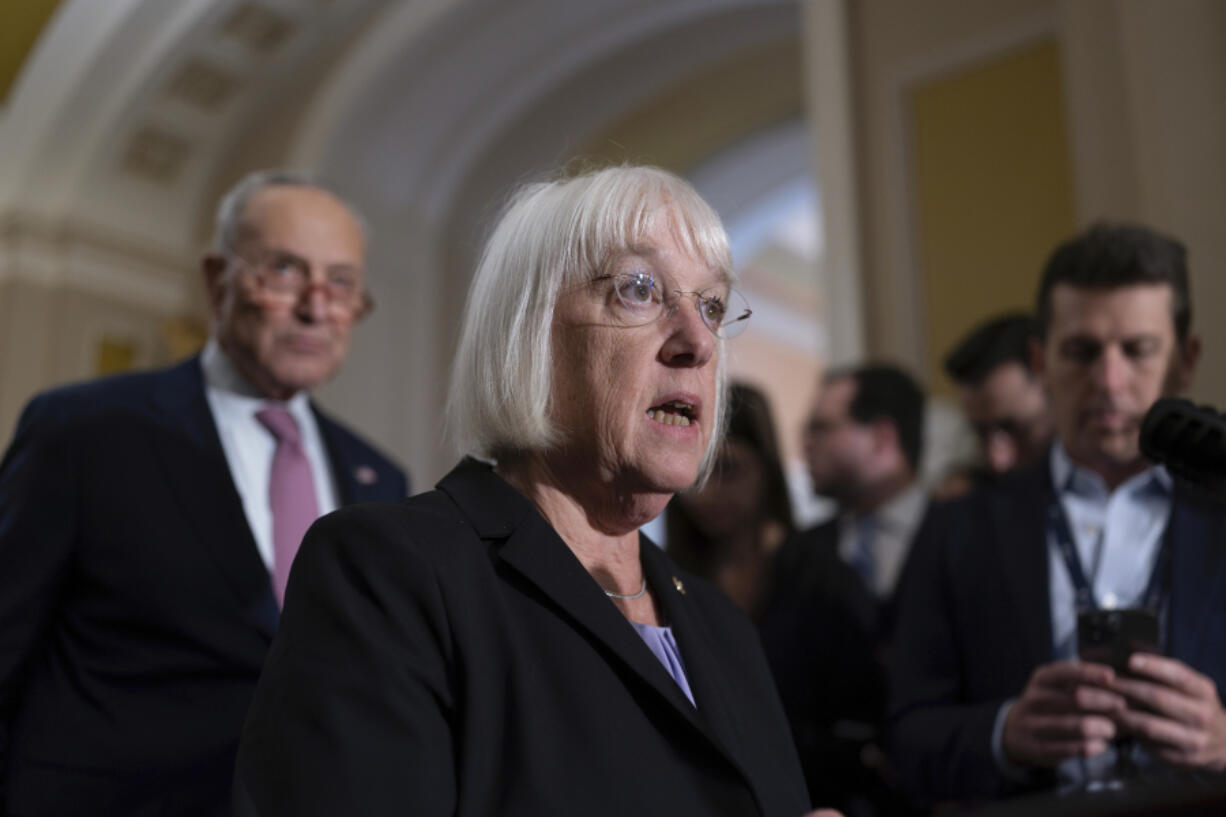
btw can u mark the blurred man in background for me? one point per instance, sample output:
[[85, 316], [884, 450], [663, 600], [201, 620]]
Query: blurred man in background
[[989, 697], [826, 624], [148, 523], [1001, 394]]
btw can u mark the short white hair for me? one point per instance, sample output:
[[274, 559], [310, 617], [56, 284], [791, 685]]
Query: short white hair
[[551, 236]]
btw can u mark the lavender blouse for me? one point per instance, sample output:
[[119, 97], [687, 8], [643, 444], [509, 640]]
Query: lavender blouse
[[662, 644]]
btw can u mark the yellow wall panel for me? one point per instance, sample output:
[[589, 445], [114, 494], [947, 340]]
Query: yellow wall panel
[[21, 22], [993, 189]]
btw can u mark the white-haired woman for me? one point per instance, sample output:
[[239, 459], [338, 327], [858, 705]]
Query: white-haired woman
[[508, 643]]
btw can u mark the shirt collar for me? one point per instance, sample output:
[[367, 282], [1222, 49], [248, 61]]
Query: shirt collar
[[1067, 477], [221, 377], [899, 514]]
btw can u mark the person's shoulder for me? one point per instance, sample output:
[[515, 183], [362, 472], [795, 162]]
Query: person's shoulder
[[812, 545], [427, 525], [714, 605], [351, 440], [823, 534], [1001, 492], [719, 611], [101, 399]]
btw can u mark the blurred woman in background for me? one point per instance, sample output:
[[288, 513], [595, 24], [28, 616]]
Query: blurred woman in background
[[726, 530]]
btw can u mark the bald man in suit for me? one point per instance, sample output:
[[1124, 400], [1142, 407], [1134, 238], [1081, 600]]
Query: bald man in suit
[[147, 523]]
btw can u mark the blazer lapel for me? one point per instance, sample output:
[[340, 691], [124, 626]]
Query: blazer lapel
[[1197, 534], [196, 469], [708, 680], [535, 551], [355, 479], [1018, 519]]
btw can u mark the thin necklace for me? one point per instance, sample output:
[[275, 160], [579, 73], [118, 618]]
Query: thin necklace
[[628, 596]]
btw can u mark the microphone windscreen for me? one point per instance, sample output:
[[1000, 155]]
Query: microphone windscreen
[[1189, 440]]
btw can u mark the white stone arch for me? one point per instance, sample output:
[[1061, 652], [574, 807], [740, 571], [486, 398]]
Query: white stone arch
[[427, 151]]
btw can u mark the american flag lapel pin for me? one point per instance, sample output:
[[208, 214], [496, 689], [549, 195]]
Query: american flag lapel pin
[[365, 475]]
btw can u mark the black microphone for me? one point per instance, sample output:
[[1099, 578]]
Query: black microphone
[[1189, 440]]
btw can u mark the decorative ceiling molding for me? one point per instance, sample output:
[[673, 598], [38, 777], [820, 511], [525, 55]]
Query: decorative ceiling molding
[[131, 107], [258, 28], [435, 90], [201, 83], [128, 104], [74, 257], [156, 154]]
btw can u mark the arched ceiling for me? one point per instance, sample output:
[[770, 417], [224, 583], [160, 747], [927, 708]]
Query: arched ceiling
[[127, 111], [534, 78], [130, 117], [124, 108]]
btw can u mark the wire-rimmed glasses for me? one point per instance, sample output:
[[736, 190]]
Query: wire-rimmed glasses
[[641, 300]]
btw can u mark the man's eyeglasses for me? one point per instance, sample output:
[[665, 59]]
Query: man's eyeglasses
[[287, 277], [641, 300]]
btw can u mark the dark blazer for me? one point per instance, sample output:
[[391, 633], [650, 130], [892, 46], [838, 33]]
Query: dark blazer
[[823, 634], [135, 611], [974, 622], [449, 655]]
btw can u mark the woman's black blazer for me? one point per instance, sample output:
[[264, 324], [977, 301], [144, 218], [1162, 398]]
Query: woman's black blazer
[[449, 655]]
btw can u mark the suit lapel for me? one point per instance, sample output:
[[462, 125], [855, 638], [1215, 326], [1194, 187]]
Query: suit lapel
[[1197, 534], [345, 472], [708, 680], [196, 469], [535, 551], [1018, 518]]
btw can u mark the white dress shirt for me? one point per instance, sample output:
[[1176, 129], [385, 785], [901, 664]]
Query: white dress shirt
[[894, 527], [249, 446]]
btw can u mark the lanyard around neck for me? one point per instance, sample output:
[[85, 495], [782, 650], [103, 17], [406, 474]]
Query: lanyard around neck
[[1061, 533]]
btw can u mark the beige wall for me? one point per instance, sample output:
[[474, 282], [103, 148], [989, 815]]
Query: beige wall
[[898, 46], [993, 190], [66, 297], [1147, 108], [1144, 88]]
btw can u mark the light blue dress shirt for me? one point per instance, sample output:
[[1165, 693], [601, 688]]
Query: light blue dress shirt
[[1118, 536]]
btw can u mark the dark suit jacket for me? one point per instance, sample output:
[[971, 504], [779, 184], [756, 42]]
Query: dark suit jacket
[[823, 634], [449, 655], [135, 611], [974, 622]]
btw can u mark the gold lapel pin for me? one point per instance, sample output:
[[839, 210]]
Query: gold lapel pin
[[677, 584]]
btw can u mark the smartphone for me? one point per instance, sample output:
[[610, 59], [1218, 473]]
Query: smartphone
[[1110, 636]]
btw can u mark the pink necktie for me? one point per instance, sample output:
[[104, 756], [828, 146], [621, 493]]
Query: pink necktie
[[291, 493]]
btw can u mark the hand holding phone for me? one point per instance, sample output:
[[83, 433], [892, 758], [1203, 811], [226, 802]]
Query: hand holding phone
[[1174, 710], [1066, 710]]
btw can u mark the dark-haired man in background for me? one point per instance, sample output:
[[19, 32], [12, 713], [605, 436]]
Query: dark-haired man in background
[[825, 627], [988, 697], [1000, 392], [148, 522]]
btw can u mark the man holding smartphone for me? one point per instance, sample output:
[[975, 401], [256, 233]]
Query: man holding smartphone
[[989, 697]]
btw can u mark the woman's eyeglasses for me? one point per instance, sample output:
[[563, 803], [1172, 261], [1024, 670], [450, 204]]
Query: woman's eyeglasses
[[641, 300]]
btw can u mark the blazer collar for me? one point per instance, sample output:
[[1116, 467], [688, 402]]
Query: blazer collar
[[717, 700], [195, 467], [355, 478], [528, 543], [531, 547]]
